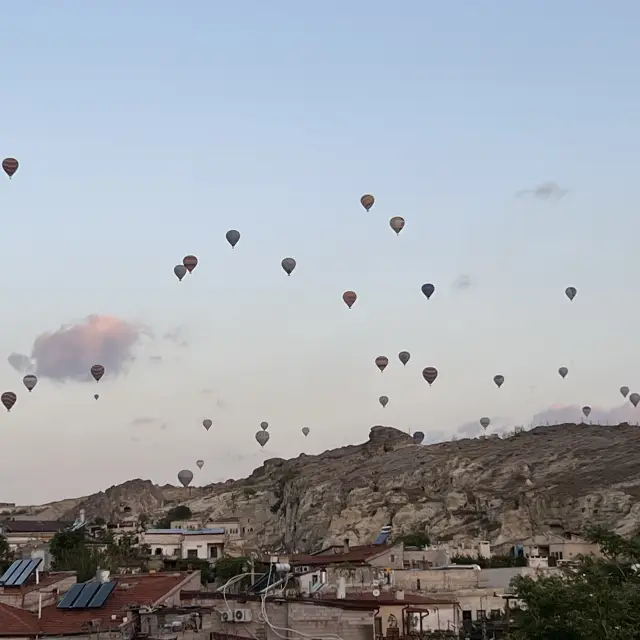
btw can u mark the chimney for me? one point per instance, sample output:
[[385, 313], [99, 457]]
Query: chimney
[[346, 545], [399, 594]]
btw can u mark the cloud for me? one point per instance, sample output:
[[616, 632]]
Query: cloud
[[20, 363], [470, 428], [142, 421], [544, 191], [177, 335], [155, 359], [69, 352], [462, 283]]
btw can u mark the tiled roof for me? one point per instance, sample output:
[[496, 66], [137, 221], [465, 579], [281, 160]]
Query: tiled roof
[[17, 622], [33, 526], [355, 555], [145, 589]]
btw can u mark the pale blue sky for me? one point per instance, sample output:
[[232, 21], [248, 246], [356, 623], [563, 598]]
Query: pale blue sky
[[147, 129]]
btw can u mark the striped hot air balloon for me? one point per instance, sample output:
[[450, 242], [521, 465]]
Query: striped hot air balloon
[[97, 371], [190, 263], [430, 374], [382, 362], [8, 399], [10, 166]]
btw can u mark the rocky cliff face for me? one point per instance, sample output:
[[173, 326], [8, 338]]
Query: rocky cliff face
[[495, 489]]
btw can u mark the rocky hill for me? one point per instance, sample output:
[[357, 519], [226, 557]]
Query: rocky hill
[[490, 488]]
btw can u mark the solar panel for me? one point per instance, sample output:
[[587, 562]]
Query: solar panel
[[86, 594], [102, 594], [70, 596], [21, 576], [384, 534], [10, 571]]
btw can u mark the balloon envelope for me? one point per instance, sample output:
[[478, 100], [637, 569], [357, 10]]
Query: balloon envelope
[[305, 431], [384, 401], [262, 437], [180, 270], [428, 289], [8, 399], [563, 372], [586, 410], [367, 201], [397, 224], [349, 298], [430, 374], [624, 391], [97, 371], [190, 263], [185, 477], [498, 380], [404, 357], [96, 396], [264, 426], [233, 237], [570, 292], [418, 437], [30, 381], [382, 362], [288, 264], [10, 166], [485, 422], [634, 398], [206, 423], [200, 464]]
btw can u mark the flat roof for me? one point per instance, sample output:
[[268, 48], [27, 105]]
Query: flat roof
[[188, 532]]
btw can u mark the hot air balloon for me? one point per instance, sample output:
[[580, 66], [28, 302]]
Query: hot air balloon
[[200, 464], [418, 437], [484, 423], [384, 401], [349, 298], [206, 423], [8, 399], [233, 237], [624, 391], [264, 426], [96, 396], [190, 263], [97, 371], [30, 381], [404, 357], [634, 398], [288, 264], [570, 292], [397, 224], [563, 372], [382, 362], [180, 270], [428, 290], [10, 166], [185, 477], [262, 437], [498, 380], [586, 410], [430, 374], [305, 431], [367, 201]]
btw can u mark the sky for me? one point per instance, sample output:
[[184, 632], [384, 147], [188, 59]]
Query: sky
[[506, 135]]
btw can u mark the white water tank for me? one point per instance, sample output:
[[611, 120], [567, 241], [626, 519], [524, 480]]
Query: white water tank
[[102, 575], [342, 588]]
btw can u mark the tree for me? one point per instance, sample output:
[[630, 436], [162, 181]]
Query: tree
[[494, 562], [6, 555], [415, 539], [181, 512], [227, 567], [598, 599]]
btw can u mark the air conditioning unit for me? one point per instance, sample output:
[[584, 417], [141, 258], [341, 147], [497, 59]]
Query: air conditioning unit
[[242, 615], [226, 616]]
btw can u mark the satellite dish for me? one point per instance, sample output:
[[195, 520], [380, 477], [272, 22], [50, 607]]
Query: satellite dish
[[376, 593]]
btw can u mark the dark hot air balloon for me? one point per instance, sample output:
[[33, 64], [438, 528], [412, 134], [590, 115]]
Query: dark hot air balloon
[[418, 437], [570, 292], [97, 371], [397, 224], [499, 380], [305, 431], [206, 423], [288, 264], [382, 362], [349, 298], [384, 401], [404, 357], [180, 270], [586, 410], [10, 166], [96, 396], [484, 423], [264, 426], [624, 391], [8, 399], [30, 381], [190, 263], [200, 464], [563, 372], [233, 237], [262, 437], [634, 398], [430, 374], [185, 477], [367, 201], [428, 290]]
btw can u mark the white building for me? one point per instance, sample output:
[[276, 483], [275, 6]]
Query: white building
[[203, 544]]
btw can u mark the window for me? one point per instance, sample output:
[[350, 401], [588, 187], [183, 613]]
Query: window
[[418, 584], [158, 551], [495, 614], [481, 614], [378, 625], [466, 615], [213, 551], [392, 558], [192, 553], [314, 579]]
